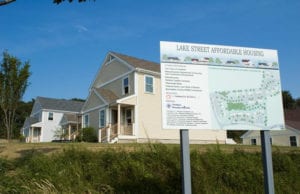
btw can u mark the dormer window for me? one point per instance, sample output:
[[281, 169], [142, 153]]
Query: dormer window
[[125, 86]]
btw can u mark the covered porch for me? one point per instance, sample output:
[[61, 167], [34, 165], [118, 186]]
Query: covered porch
[[34, 135], [121, 122], [32, 130], [71, 123]]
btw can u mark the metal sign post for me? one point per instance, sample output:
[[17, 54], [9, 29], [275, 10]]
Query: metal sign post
[[267, 161], [185, 161]]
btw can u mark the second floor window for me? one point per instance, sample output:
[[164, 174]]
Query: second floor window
[[148, 84], [50, 116], [125, 86]]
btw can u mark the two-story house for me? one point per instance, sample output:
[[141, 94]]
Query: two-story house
[[51, 116], [124, 104]]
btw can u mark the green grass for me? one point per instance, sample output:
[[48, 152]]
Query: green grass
[[142, 168]]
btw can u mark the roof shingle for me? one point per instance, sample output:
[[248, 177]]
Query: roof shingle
[[138, 63], [60, 104]]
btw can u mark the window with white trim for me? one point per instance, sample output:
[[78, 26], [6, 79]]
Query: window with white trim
[[253, 141], [149, 84], [293, 141], [50, 116], [86, 121], [125, 87], [102, 117]]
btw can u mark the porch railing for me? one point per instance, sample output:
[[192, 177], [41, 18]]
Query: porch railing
[[33, 139], [109, 132]]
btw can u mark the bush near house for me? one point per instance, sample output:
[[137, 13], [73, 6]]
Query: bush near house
[[153, 169], [87, 134]]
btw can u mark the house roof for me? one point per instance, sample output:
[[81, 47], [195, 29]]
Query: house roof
[[108, 95], [70, 118], [30, 120], [60, 104], [138, 63]]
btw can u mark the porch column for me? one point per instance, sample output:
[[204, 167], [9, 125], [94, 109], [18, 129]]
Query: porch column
[[31, 136], [119, 118], [99, 135], [69, 131], [108, 134]]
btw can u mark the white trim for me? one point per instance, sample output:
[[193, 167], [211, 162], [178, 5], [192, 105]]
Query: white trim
[[145, 71], [153, 84], [110, 60], [136, 107], [83, 120], [99, 117], [135, 78], [127, 97], [59, 111]]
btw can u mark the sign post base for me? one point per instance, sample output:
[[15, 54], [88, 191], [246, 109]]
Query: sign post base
[[267, 161], [185, 161]]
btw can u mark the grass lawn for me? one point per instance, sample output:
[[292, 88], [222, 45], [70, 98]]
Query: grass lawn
[[15, 149]]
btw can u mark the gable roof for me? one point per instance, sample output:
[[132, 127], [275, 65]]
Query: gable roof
[[60, 104], [138, 63], [108, 95]]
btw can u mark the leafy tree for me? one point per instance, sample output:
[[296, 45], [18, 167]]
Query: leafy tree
[[13, 83], [298, 102], [288, 100], [78, 99], [4, 2], [70, 1], [23, 111]]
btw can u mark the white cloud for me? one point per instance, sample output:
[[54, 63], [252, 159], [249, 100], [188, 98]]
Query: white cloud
[[81, 28]]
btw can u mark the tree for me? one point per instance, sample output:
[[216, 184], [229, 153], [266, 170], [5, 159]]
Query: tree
[[288, 100], [298, 102], [13, 83], [23, 111], [4, 2], [70, 1]]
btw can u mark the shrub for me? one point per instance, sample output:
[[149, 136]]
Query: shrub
[[87, 134]]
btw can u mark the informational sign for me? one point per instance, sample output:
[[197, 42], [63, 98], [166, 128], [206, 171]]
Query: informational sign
[[220, 87]]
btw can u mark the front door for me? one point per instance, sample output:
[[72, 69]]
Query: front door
[[128, 121], [114, 117]]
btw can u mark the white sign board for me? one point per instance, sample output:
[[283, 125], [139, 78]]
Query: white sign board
[[220, 87]]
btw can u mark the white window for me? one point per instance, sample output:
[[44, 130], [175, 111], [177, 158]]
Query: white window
[[125, 86], [50, 116], [86, 121], [102, 118], [253, 141], [149, 84]]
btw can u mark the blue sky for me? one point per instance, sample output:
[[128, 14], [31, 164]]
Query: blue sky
[[66, 44]]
